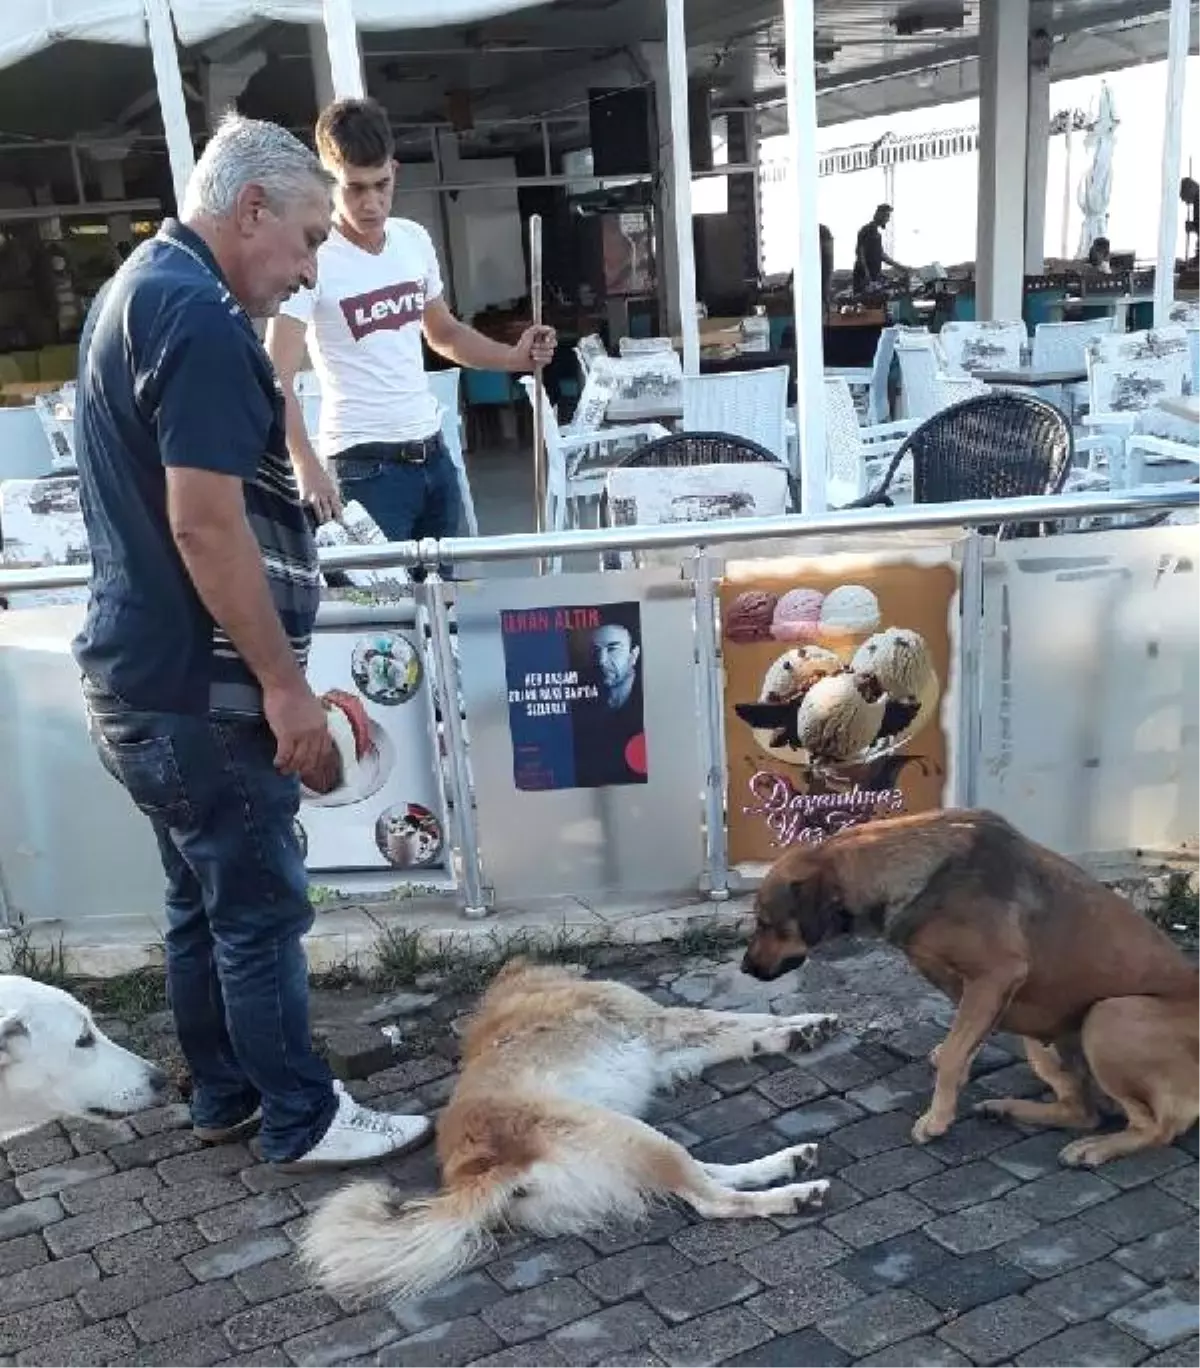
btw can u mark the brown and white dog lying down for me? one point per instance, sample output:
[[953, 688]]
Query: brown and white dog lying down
[[1022, 940], [542, 1133]]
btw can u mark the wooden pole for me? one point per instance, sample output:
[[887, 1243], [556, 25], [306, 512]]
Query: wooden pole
[[539, 435]]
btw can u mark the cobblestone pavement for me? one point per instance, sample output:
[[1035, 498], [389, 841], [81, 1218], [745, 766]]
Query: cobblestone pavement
[[127, 1242]]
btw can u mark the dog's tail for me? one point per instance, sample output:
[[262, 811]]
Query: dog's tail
[[362, 1241]]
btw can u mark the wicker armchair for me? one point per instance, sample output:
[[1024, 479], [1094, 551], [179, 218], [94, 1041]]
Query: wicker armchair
[[994, 446]]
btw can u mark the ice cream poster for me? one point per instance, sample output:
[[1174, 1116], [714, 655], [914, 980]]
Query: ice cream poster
[[837, 680], [575, 711]]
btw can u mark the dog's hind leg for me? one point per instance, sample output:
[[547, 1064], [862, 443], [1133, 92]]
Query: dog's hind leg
[[1072, 1108], [772, 1168], [690, 1039]]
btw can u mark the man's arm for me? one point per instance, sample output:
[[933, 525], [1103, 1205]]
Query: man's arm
[[459, 342], [285, 347]]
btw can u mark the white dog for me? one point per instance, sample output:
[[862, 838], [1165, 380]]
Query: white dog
[[55, 1063]]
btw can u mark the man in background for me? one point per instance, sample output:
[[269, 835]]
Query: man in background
[[869, 256], [378, 288]]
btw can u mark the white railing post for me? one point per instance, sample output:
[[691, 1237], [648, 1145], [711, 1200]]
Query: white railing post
[[1168, 220], [681, 184]]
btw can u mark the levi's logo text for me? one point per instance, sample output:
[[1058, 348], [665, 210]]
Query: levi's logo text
[[384, 310]]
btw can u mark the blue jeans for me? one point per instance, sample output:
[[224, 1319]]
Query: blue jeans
[[407, 500], [237, 907]]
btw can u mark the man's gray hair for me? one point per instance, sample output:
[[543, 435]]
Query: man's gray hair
[[251, 152]]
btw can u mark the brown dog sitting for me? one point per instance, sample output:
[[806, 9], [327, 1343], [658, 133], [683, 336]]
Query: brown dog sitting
[[1022, 940]]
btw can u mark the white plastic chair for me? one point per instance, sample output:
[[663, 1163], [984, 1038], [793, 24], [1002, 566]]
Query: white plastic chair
[[1063, 347], [749, 404], [985, 345], [445, 386], [926, 386], [643, 346], [873, 378], [1186, 313], [855, 456]]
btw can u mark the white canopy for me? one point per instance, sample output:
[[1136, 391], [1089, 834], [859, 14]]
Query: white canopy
[[28, 26]]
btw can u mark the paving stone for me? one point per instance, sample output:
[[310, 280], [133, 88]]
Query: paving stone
[[729, 1114], [452, 1300], [929, 1353], [1059, 1195], [1182, 1184], [47, 1282], [711, 1241], [157, 1245], [457, 1342], [790, 1257], [1088, 1293], [37, 1323], [876, 1134], [687, 1097], [116, 1187], [839, 1196], [848, 1069], [962, 1284], [196, 1348], [1000, 1330], [1054, 1249], [192, 1198], [972, 1138], [540, 1262], [153, 1149], [1165, 1254], [794, 1306], [915, 1041], [712, 1338], [538, 1311], [805, 1349], [97, 1344], [26, 1251], [89, 1134], [232, 1256], [627, 1274], [1159, 1318], [1185, 1354], [174, 1116], [9, 1196], [608, 1334], [890, 1170], [878, 1321], [879, 1219], [46, 1182], [1135, 1169], [209, 1162], [816, 1119], [261, 1178], [270, 1281], [624, 1235], [979, 1227], [1033, 1157], [1098, 1345], [964, 1186], [267, 1357], [191, 1309], [702, 1289], [412, 1073], [532, 1354], [28, 1216], [906, 1090], [254, 1213], [271, 1322], [357, 1051], [892, 1263], [1017, 1080], [344, 1339], [1138, 1214], [734, 1076], [40, 1148], [79, 1233], [147, 1283], [791, 1088], [740, 1147]]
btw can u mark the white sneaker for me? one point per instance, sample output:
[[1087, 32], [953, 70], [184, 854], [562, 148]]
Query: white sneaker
[[359, 1136]]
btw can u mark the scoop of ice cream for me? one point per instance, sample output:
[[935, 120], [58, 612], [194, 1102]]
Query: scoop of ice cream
[[898, 663], [849, 610], [835, 721], [749, 616], [797, 615], [796, 671]]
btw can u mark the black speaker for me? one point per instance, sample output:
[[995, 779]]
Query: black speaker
[[700, 126], [619, 122]]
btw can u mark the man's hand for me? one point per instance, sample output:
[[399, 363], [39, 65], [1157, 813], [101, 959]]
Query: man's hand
[[304, 745], [318, 488], [535, 348]]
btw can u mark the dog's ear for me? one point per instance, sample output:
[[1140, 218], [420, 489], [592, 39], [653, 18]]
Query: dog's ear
[[818, 907], [11, 1026]]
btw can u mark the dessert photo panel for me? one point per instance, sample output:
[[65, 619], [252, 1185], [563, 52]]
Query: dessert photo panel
[[837, 674]]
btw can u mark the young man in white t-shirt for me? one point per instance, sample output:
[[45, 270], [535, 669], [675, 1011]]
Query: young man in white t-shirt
[[378, 288]]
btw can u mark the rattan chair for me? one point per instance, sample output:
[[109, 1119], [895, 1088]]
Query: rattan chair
[[994, 446]]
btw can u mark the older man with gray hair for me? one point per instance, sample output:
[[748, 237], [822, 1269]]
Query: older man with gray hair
[[204, 591]]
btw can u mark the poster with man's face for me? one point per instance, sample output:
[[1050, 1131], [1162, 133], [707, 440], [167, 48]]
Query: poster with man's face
[[574, 677]]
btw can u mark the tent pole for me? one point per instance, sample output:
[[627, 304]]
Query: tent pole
[[345, 58], [1168, 220], [167, 77]]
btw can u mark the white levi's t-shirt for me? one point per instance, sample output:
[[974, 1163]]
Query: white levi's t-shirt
[[364, 337]]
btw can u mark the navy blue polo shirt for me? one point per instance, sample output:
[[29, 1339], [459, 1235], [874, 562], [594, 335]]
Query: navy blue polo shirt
[[171, 373]]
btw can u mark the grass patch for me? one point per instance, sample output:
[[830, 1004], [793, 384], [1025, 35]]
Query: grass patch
[[1177, 912], [48, 965]]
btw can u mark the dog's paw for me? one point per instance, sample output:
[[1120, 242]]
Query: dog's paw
[[1081, 1154], [804, 1158], [809, 1196], [807, 1032], [928, 1127]]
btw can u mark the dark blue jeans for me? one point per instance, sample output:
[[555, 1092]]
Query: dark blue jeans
[[237, 907], [408, 501]]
